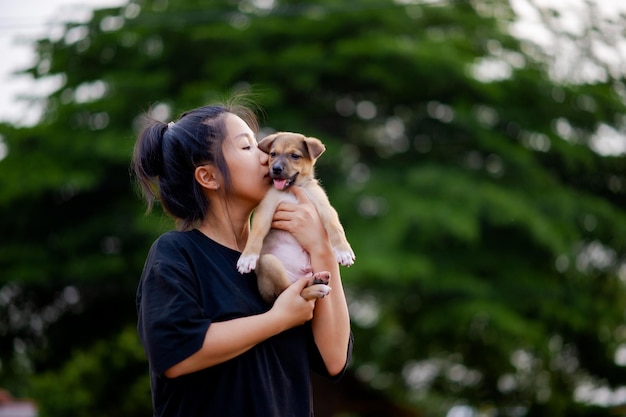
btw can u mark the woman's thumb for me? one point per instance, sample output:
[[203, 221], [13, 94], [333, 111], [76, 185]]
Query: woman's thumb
[[300, 194], [301, 283]]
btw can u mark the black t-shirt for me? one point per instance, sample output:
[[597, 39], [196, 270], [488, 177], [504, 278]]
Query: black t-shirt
[[190, 281]]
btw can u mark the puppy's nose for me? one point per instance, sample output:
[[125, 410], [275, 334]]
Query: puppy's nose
[[277, 169]]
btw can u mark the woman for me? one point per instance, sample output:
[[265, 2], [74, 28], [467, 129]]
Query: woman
[[213, 346]]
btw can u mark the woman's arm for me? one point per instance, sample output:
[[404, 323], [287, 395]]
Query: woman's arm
[[331, 320], [228, 339]]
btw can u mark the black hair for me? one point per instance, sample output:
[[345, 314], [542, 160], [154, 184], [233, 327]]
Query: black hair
[[166, 155]]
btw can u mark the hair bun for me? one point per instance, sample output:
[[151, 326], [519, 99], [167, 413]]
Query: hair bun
[[151, 149]]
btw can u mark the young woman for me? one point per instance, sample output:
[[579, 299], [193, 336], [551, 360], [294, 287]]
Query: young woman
[[214, 347]]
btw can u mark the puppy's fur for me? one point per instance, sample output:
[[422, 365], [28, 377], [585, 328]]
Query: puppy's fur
[[277, 256]]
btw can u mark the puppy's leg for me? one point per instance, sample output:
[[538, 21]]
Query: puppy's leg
[[261, 224], [318, 286], [341, 248], [330, 219], [272, 278]]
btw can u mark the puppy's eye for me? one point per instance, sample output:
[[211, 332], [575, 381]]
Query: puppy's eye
[[295, 156], [247, 147], [272, 154]]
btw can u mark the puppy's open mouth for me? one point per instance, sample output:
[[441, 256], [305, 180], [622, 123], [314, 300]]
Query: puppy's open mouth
[[284, 183]]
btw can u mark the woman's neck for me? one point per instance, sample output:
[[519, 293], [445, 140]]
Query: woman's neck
[[227, 227]]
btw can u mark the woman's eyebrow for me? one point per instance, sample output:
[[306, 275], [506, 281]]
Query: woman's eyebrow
[[243, 135], [247, 136]]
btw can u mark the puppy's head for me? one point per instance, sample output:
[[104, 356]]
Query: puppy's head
[[291, 157]]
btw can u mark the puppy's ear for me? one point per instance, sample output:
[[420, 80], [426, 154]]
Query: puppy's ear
[[315, 147], [266, 143]]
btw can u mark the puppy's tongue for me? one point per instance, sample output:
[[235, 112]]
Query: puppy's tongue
[[280, 184]]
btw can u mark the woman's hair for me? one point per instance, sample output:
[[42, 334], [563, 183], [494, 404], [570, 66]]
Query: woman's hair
[[166, 156]]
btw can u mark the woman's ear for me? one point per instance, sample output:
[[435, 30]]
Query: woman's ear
[[207, 177]]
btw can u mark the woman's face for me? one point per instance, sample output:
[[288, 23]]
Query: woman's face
[[247, 164]]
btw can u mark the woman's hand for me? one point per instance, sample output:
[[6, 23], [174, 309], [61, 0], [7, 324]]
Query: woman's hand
[[292, 307], [301, 220]]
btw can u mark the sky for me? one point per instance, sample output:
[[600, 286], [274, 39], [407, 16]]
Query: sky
[[21, 22]]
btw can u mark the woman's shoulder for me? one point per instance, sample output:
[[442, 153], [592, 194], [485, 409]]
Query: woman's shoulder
[[173, 249], [191, 244], [174, 236], [174, 240]]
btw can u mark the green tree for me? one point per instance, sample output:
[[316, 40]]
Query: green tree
[[488, 226]]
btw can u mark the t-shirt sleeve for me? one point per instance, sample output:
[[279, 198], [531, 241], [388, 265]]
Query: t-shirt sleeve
[[171, 322], [317, 363]]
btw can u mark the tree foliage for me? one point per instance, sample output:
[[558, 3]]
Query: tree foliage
[[489, 228]]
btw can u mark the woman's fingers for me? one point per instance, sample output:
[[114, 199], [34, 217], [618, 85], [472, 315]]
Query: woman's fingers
[[300, 195]]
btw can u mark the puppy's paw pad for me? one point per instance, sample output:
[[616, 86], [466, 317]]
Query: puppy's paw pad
[[320, 278], [344, 257], [247, 263]]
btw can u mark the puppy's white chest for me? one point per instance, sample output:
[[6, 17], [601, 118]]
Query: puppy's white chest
[[285, 196]]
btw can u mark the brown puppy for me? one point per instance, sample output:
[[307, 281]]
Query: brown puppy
[[276, 254]]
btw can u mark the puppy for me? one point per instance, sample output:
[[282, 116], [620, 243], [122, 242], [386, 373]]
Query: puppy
[[277, 256]]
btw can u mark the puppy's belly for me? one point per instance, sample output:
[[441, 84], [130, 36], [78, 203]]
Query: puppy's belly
[[286, 248]]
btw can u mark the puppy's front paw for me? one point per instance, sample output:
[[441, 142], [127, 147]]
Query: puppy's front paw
[[344, 256], [316, 291], [247, 263]]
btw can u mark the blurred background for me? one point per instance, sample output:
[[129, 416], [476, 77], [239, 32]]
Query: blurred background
[[476, 156]]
